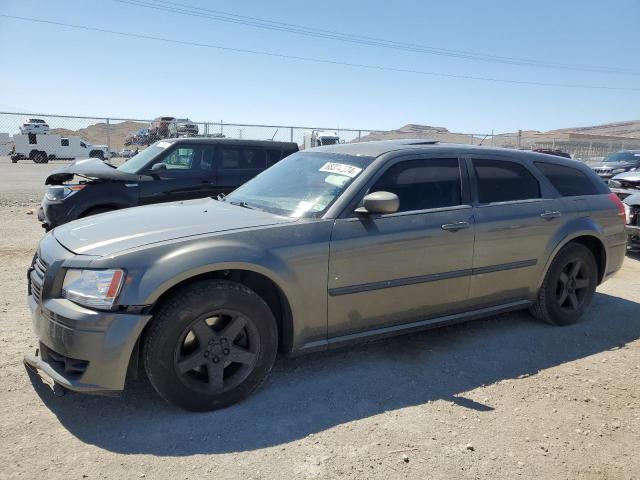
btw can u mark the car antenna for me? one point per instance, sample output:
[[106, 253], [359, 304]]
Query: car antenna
[[274, 134], [483, 138]]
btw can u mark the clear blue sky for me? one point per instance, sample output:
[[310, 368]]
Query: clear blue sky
[[47, 68]]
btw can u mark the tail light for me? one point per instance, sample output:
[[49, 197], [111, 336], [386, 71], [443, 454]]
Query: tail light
[[620, 206]]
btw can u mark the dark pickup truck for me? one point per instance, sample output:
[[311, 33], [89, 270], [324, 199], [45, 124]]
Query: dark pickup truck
[[168, 170]]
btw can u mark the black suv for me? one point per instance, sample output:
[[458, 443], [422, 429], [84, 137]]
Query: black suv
[[168, 170]]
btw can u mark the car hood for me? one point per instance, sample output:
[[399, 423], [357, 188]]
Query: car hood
[[628, 176], [113, 232], [612, 165], [92, 168]]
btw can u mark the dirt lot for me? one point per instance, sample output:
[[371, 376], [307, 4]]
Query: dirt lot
[[505, 397]]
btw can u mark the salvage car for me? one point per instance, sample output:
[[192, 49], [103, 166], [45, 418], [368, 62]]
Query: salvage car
[[330, 246], [176, 169], [619, 162], [627, 187]]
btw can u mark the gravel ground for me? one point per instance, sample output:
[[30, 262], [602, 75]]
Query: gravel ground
[[504, 397]]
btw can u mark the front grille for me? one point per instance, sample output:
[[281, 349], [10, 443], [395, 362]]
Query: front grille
[[67, 366], [36, 277]]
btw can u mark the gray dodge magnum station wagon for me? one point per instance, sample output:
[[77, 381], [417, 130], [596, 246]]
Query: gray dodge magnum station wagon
[[329, 246]]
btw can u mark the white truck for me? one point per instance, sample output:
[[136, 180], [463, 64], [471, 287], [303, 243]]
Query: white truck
[[42, 148], [317, 138], [6, 144]]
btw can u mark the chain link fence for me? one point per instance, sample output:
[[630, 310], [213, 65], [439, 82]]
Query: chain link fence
[[123, 136]]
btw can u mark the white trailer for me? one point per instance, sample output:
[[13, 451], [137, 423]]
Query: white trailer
[[318, 138], [6, 144], [42, 148]]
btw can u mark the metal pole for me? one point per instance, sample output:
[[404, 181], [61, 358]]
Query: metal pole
[[492, 137], [359, 135], [519, 138], [291, 134], [108, 137], [221, 128]]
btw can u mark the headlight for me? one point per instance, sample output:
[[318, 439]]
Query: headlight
[[93, 288], [614, 184], [627, 213], [618, 170], [60, 192]]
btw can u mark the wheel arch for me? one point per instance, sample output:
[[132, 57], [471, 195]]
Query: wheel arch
[[262, 284], [592, 239]]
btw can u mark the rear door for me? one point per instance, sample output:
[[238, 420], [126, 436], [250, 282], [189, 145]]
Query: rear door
[[516, 217], [237, 164], [190, 173]]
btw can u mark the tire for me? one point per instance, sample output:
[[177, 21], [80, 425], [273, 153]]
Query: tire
[[39, 157], [210, 345], [568, 286]]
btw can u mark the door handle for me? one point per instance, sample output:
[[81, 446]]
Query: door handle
[[549, 215], [454, 227]]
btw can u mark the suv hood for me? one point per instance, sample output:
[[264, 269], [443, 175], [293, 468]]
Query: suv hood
[[628, 177], [113, 232], [92, 168], [612, 165]]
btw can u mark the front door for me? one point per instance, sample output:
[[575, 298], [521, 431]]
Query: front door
[[395, 268], [189, 173]]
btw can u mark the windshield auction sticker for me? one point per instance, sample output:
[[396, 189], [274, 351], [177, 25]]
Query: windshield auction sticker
[[341, 169]]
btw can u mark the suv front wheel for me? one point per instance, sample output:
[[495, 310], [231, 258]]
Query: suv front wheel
[[210, 345], [568, 286]]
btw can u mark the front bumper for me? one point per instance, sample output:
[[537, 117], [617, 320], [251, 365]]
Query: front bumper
[[82, 349], [633, 236]]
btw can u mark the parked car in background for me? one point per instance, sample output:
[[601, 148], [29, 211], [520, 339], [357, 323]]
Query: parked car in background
[[330, 246], [182, 127], [159, 128], [551, 151], [126, 153], [627, 187], [175, 169], [41, 148], [616, 163], [34, 125]]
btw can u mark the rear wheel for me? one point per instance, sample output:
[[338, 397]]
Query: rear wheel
[[568, 287], [210, 345], [39, 157]]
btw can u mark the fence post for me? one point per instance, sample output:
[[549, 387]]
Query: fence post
[[359, 135], [291, 134], [221, 128], [519, 139], [471, 139], [108, 136]]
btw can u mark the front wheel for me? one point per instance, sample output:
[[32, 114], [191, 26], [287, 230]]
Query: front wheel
[[568, 287], [210, 345]]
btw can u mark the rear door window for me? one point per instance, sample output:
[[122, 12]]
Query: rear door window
[[567, 181], [504, 181], [237, 158]]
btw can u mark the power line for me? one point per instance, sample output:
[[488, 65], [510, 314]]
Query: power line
[[218, 15], [320, 60]]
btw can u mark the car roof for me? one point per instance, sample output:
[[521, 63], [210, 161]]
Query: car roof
[[377, 148], [233, 141]]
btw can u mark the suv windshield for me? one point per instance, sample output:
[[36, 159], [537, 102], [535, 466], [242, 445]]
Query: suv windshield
[[301, 185], [623, 157], [135, 163]]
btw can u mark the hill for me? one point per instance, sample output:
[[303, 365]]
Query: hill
[[97, 133]]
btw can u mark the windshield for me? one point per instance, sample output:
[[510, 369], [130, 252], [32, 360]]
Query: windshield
[[302, 185], [623, 157], [135, 163]]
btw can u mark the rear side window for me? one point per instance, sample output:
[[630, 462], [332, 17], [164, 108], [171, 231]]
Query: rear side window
[[568, 181], [502, 181], [64, 142], [272, 157], [423, 184], [243, 158]]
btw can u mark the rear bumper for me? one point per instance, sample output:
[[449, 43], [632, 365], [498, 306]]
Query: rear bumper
[[82, 349]]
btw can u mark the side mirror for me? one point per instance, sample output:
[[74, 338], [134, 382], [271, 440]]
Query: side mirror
[[379, 202], [157, 168]]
